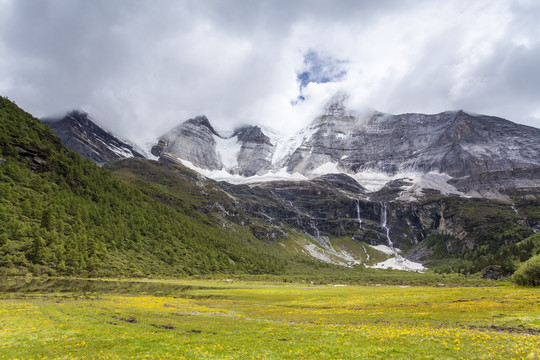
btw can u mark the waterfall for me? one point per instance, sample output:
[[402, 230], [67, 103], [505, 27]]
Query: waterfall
[[366, 252], [358, 214], [384, 219], [313, 225], [324, 241], [384, 224], [515, 210]]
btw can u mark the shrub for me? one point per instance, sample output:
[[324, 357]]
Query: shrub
[[529, 272]]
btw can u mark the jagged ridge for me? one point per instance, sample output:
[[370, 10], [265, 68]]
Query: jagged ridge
[[81, 135], [453, 144]]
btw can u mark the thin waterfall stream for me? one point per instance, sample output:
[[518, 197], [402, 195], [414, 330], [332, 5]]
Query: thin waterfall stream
[[384, 224], [358, 214]]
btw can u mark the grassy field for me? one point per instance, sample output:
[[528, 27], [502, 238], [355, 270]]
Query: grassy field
[[241, 320]]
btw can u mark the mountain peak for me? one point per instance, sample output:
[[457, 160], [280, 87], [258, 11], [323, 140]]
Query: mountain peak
[[202, 120], [251, 133], [372, 147], [81, 135], [336, 104], [77, 114]]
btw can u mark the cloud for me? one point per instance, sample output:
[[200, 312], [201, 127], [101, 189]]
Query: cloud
[[141, 67], [320, 69]]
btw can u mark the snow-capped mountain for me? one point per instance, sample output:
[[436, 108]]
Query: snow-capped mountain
[[81, 135], [418, 151], [387, 181], [246, 152]]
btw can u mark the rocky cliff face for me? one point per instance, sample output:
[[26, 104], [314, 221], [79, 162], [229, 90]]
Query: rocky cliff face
[[455, 143], [255, 153], [520, 182], [336, 206], [246, 152], [81, 135], [450, 152], [194, 141]]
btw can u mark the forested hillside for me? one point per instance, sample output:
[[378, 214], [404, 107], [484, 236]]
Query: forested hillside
[[61, 214]]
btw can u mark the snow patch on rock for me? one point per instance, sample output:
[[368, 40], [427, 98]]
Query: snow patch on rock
[[326, 168], [228, 150], [331, 256], [284, 148], [384, 249], [400, 263], [396, 262], [435, 181], [223, 175], [372, 180]]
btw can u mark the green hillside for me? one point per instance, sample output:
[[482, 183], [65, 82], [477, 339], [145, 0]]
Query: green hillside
[[61, 214]]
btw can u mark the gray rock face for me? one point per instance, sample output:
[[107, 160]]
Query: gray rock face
[[193, 141], [336, 205], [83, 136], [342, 181], [255, 152], [515, 182], [465, 147], [246, 152], [455, 143]]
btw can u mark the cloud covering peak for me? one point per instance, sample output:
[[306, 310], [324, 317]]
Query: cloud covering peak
[[141, 67]]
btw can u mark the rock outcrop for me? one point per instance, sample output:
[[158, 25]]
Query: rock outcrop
[[194, 141], [336, 206], [393, 156], [81, 135], [454, 142], [255, 152]]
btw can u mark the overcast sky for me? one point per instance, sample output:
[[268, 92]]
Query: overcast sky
[[140, 67]]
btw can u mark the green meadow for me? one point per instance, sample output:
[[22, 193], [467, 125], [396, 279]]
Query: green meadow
[[232, 319]]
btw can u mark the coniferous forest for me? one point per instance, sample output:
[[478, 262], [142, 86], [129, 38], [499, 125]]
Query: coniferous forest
[[61, 214]]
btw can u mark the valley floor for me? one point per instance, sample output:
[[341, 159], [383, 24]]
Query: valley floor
[[241, 320]]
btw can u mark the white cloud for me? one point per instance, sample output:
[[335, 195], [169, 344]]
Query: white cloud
[[141, 68]]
